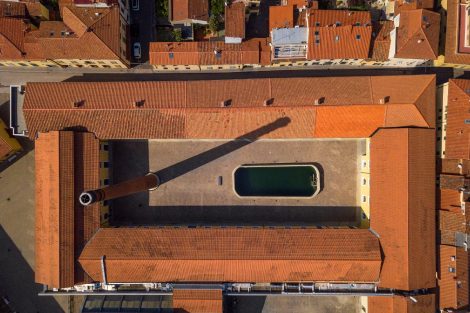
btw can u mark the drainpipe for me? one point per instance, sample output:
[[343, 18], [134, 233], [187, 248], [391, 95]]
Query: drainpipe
[[144, 183]]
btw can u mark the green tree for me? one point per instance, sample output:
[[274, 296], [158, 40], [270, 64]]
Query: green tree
[[177, 35], [214, 24]]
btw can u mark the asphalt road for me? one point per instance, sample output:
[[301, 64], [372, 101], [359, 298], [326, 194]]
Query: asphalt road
[[146, 19], [22, 76]]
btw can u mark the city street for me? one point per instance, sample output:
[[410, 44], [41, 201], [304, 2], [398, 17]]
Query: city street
[[143, 22]]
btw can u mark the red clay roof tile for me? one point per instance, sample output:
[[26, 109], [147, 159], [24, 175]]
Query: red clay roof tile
[[453, 286], [232, 254], [235, 20], [403, 168]]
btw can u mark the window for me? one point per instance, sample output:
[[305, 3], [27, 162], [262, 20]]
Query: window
[[364, 181], [317, 41], [358, 36], [364, 199], [171, 55], [364, 164], [337, 38], [106, 181], [106, 164], [317, 23], [358, 24], [317, 33], [105, 147], [338, 23], [105, 203]]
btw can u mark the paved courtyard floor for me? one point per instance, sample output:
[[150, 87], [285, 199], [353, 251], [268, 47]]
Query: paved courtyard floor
[[297, 304], [191, 172]]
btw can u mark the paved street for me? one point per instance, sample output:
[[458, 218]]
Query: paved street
[[20, 75], [144, 19]]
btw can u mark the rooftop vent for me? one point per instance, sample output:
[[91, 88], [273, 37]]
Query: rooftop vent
[[268, 102], [320, 100], [226, 103], [337, 38], [451, 269], [97, 13], [78, 103], [139, 103], [420, 40], [384, 100]]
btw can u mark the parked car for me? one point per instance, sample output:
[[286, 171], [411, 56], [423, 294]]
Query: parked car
[[137, 50], [135, 5]]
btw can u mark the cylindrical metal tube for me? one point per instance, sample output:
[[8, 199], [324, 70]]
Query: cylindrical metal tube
[[139, 184]]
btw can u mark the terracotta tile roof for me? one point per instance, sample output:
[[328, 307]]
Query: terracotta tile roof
[[189, 10], [342, 42], [381, 42], [453, 286], [54, 209], [235, 20], [281, 16], [406, 5], [403, 168], [452, 54], [457, 132], [449, 200], [203, 53], [182, 107], [12, 36], [232, 254], [65, 163], [55, 29], [453, 221], [323, 18], [197, 301], [12, 9], [418, 35], [399, 304]]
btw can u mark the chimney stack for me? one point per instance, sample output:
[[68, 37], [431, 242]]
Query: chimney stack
[[139, 184]]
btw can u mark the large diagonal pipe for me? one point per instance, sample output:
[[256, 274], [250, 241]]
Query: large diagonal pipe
[[139, 184]]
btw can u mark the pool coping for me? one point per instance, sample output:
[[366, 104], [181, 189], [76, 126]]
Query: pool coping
[[315, 168]]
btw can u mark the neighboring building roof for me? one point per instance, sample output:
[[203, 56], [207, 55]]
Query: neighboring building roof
[[418, 35], [405, 5], [233, 255], [450, 200], [381, 42], [12, 9], [12, 38], [281, 16], [324, 18], [204, 53], [182, 107], [453, 277], [197, 301], [403, 169], [457, 130], [401, 304], [235, 20], [342, 42], [85, 33], [94, 33], [452, 54], [181, 10], [66, 164], [289, 36], [450, 223]]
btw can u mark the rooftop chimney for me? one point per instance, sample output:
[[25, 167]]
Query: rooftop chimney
[[139, 184], [384, 100], [268, 102], [320, 100]]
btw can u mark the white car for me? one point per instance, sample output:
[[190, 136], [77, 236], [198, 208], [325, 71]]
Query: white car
[[135, 5], [137, 50]]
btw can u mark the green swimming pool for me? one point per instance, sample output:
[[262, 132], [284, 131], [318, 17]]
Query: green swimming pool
[[296, 180]]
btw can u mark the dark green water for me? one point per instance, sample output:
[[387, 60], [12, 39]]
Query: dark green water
[[275, 181]]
